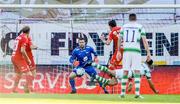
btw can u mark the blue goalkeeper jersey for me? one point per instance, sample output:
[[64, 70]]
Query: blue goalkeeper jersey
[[82, 55]]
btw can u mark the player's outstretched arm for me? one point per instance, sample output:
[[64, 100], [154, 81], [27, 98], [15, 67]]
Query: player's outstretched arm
[[34, 47], [108, 41]]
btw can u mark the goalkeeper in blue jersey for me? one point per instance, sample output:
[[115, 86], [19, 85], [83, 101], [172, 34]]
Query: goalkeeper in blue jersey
[[81, 58]]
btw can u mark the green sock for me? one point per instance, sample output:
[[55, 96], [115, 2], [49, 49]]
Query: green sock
[[123, 84], [101, 79], [100, 67], [137, 83]]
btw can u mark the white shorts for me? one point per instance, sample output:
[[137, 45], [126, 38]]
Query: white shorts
[[119, 74], [131, 61]]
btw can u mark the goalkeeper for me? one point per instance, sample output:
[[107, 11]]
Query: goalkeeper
[[82, 58], [118, 74]]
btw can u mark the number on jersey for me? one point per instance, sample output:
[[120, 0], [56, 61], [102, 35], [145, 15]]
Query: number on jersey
[[130, 35], [15, 45]]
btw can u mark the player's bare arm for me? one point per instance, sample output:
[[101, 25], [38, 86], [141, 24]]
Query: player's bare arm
[[34, 47], [118, 57], [107, 42], [23, 51], [145, 43]]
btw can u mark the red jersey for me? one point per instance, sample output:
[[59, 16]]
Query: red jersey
[[28, 48], [20, 41], [114, 35]]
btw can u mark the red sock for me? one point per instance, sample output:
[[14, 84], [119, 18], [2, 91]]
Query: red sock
[[29, 79], [16, 80]]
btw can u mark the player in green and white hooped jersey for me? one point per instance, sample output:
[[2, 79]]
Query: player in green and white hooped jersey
[[118, 74], [146, 71], [131, 33]]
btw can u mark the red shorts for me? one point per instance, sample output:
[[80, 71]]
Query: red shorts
[[33, 65], [20, 65], [115, 64]]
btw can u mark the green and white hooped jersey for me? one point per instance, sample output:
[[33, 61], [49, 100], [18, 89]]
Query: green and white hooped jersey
[[132, 33]]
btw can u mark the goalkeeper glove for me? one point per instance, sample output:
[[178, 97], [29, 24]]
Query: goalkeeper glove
[[76, 63]]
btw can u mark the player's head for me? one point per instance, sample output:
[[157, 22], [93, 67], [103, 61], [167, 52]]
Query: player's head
[[112, 23], [132, 17], [25, 29], [81, 42], [149, 62]]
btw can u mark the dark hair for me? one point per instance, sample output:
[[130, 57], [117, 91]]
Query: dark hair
[[19, 33], [25, 29], [132, 16], [112, 23], [150, 62], [81, 38]]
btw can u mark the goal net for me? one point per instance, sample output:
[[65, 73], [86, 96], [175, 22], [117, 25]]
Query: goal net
[[55, 31]]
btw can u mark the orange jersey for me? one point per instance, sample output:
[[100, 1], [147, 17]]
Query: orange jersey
[[114, 35], [20, 41]]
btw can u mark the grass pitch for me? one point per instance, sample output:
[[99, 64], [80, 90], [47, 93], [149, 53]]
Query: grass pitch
[[85, 99]]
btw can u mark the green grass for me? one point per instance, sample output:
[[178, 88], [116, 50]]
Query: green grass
[[85, 99]]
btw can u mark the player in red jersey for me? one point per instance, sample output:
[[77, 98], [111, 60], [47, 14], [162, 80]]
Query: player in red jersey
[[32, 66], [113, 35], [20, 59]]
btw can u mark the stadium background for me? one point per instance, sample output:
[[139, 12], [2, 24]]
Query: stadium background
[[55, 32]]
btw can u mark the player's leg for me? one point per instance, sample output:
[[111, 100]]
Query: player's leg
[[32, 77], [110, 82], [151, 84], [33, 67], [92, 72], [126, 67], [104, 69], [130, 78], [24, 67], [29, 82], [113, 82], [118, 74], [17, 79], [136, 66], [130, 84], [72, 76], [17, 75], [102, 80]]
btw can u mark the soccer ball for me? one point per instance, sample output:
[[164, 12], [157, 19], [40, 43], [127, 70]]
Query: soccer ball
[[80, 71]]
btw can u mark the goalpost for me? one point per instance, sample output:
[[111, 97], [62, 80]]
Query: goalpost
[[55, 29]]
